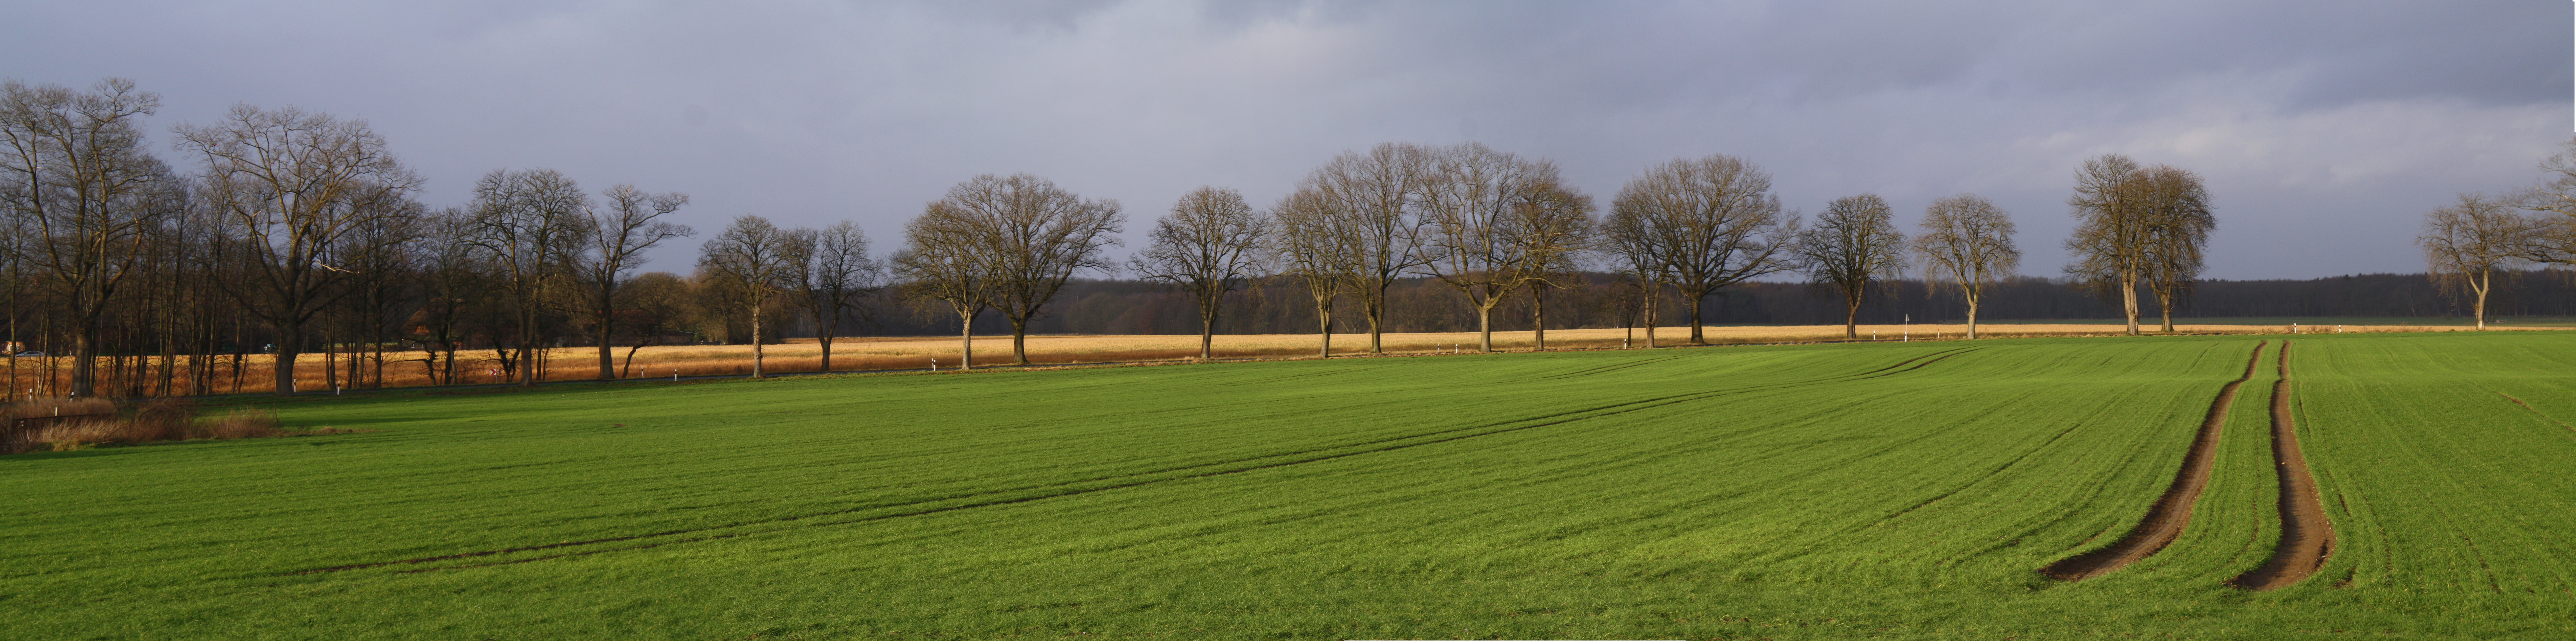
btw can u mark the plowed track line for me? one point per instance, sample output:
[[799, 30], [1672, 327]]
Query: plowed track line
[[2165, 520], [1073, 488], [2306, 536]]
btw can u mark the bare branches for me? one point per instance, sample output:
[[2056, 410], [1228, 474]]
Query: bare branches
[[2466, 243], [531, 224], [288, 185], [1467, 203], [1309, 247], [831, 271], [1027, 237], [939, 263], [1208, 246], [1967, 240], [755, 258], [618, 236], [1853, 244], [1708, 223], [78, 181], [1373, 195]]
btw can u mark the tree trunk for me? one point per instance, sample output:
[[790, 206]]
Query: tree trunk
[[288, 338], [1695, 301], [607, 353], [1485, 328], [1019, 341], [1972, 317], [826, 341], [1651, 319], [755, 342], [1324, 327], [1538, 317], [85, 361], [2129, 300], [966, 339], [1376, 312], [1851, 315], [2481, 306]]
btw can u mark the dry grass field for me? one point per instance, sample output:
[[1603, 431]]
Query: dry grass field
[[406, 369]]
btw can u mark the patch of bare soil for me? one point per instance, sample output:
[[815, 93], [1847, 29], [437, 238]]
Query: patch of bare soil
[[2306, 536], [2165, 520]]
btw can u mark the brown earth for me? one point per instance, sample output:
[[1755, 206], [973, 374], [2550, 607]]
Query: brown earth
[[2172, 511], [2307, 538]]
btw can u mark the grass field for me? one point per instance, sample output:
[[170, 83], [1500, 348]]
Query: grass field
[[1823, 491]]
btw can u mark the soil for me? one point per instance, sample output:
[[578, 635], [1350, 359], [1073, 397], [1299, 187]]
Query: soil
[[2171, 512], [2306, 536]]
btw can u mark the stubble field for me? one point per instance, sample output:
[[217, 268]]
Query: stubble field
[[1822, 491]]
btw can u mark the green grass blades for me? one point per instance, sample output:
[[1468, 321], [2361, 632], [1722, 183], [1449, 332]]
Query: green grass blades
[[1895, 490]]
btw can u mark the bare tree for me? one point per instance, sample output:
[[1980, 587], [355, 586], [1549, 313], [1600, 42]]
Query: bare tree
[[1374, 196], [1853, 245], [1553, 224], [2551, 239], [1308, 246], [1628, 241], [289, 185], [453, 272], [1710, 223], [618, 235], [80, 182], [1967, 240], [1208, 245], [1031, 236], [753, 258], [2466, 243], [2179, 222], [939, 263], [831, 271], [2111, 239], [531, 225], [1467, 201]]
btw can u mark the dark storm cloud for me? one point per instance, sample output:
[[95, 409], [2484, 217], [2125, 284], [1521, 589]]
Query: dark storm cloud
[[2333, 123]]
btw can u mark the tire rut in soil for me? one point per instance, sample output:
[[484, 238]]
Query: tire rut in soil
[[2172, 511], [2307, 538]]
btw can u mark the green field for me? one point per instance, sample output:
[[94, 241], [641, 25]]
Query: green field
[[1901, 490]]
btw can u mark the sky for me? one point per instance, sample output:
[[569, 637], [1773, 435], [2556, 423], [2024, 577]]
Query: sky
[[2325, 130]]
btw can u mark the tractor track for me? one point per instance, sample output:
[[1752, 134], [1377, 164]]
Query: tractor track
[[2307, 538], [2172, 511], [990, 498]]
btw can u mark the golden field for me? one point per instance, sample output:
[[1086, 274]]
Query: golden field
[[406, 369]]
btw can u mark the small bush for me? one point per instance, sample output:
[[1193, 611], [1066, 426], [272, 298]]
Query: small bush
[[249, 422], [152, 421]]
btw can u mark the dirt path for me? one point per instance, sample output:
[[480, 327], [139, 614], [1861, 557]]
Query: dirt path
[[2173, 510], [2306, 536]]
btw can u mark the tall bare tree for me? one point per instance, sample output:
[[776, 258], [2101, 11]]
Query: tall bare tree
[[1467, 198], [1853, 245], [289, 185], [1967, 240], [753, 258], [1711, 223], [1031, 236], [2179, 221], [1209, 245], [531, 224], [831, 272], [1628, 241], [2466, 243], [1553, 224], [939, 262], [1308, 247], [80, 183], [2114, 227], [1374, 195], [2551, 238], [618, 235]]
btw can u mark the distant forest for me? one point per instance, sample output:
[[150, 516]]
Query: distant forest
[[1102, 306]]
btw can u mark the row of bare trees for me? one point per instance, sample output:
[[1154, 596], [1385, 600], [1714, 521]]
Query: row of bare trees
[[1491, 225], [301, 230], [2470, 242]]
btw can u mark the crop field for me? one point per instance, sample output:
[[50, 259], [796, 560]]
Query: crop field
[[1906, 490]]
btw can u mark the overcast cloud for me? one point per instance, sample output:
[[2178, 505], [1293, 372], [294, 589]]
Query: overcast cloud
[[2325, 128]]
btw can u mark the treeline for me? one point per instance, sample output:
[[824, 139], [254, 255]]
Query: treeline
[[1106, 306], [289, 233]]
